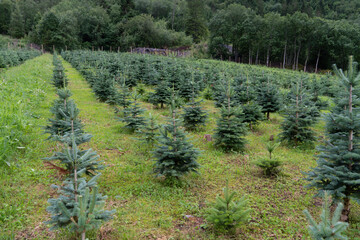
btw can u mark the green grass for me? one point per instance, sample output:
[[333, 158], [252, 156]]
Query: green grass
[[26, 97], [148, 208]]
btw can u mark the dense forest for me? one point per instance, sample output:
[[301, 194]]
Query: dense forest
[[298, 34]]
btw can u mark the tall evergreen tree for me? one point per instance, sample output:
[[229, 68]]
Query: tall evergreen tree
[[338, 169], [5, 16], [196, 22], [230, 131], [16, 27], [296, 127], [175, 155]]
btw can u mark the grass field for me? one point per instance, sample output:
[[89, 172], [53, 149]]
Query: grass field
[[146, 207]]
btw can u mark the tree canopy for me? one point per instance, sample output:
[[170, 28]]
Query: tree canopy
[[297, 34]]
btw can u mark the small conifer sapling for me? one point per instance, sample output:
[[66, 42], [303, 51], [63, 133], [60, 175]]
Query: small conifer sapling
[[175, 156]]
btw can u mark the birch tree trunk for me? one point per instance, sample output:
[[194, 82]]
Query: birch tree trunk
[[284, 59], [267, 56], [317, 61], [297, 57]]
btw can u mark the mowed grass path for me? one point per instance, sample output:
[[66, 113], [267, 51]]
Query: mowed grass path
[[25, 186], [149, 209]]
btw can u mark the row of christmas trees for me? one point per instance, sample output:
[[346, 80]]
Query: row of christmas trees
[[152, 70], [79, 204], [10, 58], [339, 159]]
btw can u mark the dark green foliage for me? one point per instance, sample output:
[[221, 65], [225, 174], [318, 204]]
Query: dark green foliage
[[252, 114], [141, 89], [220, 93], [150, 131], [55, 31], [16, 27], [226, 213], [175, 156], [194, 116], [2, 61], [338, 168], [196, 22], [208, 94], [9, 58], [5, 16], [143, 31], [161, 95], [124, 95], [269, 99], [59, 77], [132, 115], [187, 90], [104, 88], [296, 127], [329, 228], [130, 76], [230, 131], [270, 165], [244, 92]]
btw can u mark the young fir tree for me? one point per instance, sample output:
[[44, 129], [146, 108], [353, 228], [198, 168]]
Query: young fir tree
[[87, 160], [188, 89], [59, 77], [329, 228], [104, 88], [226, 213], [270, 166], [65, 119], [269, 99], [149, 131], [79, 204], [194, 116], [230, 131], [124, 95], [175, 155], [132, 115], [252, 114], [338, 170], [296, 127], [246, 95], [161, 95]]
